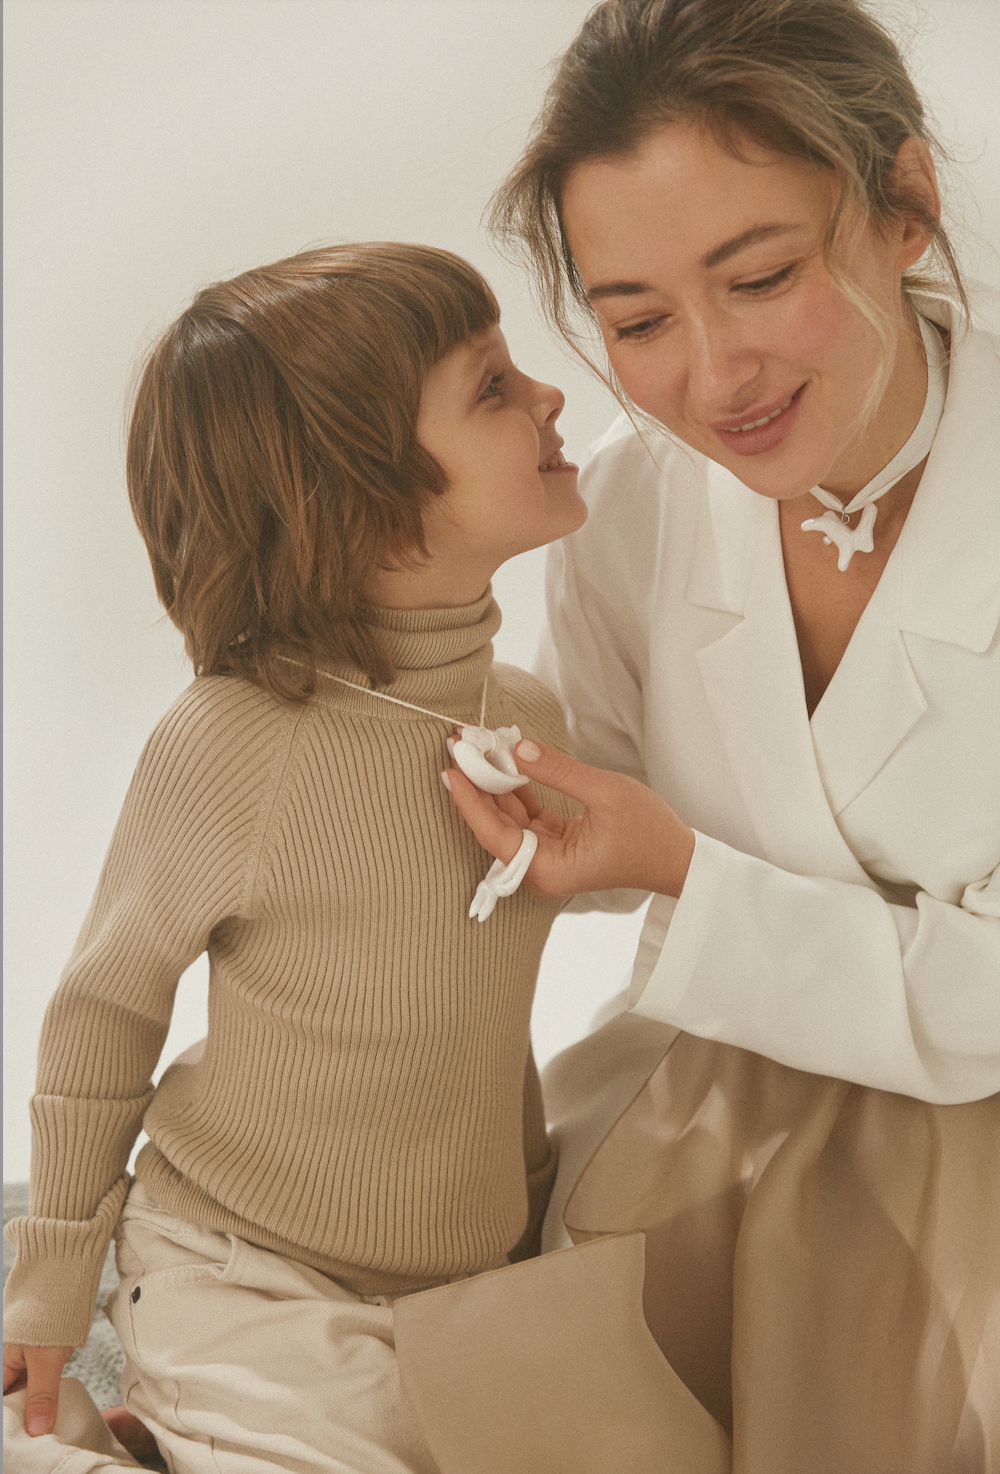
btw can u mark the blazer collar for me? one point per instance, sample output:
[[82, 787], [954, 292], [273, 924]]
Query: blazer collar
[[941, 582], [949, 548], [750, 672]]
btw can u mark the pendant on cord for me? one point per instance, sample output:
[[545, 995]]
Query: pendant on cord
[[487, 758], [849, 540]]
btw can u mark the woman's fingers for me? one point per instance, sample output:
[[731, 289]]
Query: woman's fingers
[[513, 806], [43, 1367], [627, 837], [495, 830], [564, 774]]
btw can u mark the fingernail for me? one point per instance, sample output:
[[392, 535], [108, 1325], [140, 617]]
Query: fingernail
[[529, 752], [446, 781], [37, 1423]]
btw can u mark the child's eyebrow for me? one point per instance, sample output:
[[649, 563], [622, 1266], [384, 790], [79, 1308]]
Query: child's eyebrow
[[481, 368]]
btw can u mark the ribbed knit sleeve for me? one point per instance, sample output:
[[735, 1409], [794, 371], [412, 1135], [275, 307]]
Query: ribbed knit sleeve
[[182, 860]]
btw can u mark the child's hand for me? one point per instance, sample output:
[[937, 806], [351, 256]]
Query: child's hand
[[626, 837], [40, 1369]]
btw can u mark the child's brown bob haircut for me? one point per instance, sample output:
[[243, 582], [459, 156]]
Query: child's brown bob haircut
[[272, 457]]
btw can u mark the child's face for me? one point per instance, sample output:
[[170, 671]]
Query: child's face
[[492, 431]]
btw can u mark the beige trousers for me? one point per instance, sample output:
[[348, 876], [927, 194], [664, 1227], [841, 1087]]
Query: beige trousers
[[239, 1361]]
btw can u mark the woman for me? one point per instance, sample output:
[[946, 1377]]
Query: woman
[[783, 620]]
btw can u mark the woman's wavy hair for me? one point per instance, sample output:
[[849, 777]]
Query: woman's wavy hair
[[272, 457], [818, 80]]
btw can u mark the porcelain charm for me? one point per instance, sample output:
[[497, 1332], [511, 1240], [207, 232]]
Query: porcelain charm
[[487, 758], [849, 541], [503, 880]]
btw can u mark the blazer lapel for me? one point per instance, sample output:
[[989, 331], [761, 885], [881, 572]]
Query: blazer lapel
[[752, 678], [940, 583], [873, 701]]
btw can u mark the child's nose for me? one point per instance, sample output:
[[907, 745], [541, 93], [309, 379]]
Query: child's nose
[[547, 401]]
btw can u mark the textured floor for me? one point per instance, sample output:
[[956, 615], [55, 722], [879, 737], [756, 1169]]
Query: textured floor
[[98, 1364]]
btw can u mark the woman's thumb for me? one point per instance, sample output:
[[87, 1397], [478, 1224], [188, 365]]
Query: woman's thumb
[[556, 770]]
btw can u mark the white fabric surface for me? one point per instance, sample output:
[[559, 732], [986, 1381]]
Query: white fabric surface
[[842, 911], [238, 1360]]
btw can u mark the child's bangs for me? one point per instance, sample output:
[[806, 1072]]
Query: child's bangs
[[436, 298]]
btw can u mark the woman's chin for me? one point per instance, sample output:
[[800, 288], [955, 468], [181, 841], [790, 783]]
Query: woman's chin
[[780, 483]]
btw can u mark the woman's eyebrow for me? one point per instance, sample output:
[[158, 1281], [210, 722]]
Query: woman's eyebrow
[[715, 257], [750, 237]]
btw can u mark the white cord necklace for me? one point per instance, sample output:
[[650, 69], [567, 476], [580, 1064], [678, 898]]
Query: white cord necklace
[[835, 524], [486, 757]]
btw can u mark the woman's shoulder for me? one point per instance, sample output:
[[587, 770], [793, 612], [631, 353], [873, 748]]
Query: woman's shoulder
[[639, 483], [637, 455]]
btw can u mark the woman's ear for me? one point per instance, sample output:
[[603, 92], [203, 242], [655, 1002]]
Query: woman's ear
[[914, 183]]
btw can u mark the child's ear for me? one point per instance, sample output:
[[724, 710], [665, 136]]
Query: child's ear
[[914, 179]]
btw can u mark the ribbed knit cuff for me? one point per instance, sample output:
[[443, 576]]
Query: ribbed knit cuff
[[49, 1297]]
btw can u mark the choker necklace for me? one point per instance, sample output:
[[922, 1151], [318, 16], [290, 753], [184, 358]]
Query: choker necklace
[[835, 525], [486, 757]]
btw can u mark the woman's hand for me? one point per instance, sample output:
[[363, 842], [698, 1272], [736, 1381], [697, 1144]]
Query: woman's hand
[[39, 1368], [626, 837]]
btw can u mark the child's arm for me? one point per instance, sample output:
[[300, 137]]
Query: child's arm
[[182, 859]]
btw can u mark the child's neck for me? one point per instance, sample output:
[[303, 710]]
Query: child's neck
[[431, 584]]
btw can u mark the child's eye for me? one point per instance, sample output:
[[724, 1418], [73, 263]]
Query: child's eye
[[765, 283], [493, 387]]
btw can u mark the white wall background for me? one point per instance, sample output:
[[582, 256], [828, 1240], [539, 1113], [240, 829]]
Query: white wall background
[[155, 145]]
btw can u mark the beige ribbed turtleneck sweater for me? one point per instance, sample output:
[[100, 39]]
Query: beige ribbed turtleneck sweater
[[365, 1101]]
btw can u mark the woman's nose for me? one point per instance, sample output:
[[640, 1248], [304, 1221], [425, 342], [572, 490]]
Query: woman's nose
[[721, 364]]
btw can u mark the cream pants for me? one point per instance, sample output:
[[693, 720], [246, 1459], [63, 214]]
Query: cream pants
[[239, 1361]]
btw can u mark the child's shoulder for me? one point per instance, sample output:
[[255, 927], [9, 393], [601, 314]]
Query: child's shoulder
[[539, 713], [220, 724]]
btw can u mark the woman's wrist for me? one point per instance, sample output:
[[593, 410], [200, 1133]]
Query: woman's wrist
[[676, 862]]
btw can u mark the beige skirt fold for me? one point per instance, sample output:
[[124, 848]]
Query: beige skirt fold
[[822, 1260], [548, 1367]]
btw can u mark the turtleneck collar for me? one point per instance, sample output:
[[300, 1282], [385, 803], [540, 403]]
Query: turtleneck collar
[[442, 657]]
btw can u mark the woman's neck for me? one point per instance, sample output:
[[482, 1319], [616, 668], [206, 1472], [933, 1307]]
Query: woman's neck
[[892, 423]]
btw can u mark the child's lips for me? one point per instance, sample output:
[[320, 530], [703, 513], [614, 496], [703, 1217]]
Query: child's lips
[[557, 462]]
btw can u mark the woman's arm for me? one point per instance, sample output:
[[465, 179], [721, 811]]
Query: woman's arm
[[818, 974]]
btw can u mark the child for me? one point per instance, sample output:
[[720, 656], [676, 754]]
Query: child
[[328, 459]]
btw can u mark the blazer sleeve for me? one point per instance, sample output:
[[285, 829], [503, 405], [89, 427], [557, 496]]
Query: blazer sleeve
[[829, 977], [581, 653]]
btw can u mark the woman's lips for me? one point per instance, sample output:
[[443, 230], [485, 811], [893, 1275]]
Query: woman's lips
[[761, 430]]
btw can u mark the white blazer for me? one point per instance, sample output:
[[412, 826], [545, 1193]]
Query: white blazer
[[842, 910]]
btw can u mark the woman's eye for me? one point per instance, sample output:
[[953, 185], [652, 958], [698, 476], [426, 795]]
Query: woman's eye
[[636, 331], [493, 387], [765, 283]]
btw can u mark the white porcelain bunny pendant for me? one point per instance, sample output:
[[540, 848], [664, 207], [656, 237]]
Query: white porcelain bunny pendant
[[487, 758]]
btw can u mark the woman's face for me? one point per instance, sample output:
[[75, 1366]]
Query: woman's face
[[721, 320]]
